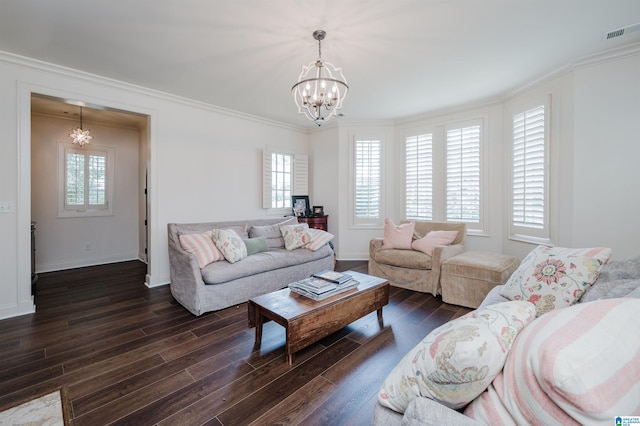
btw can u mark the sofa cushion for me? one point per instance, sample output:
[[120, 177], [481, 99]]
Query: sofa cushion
[[555, 277], [397, 236], [202, 246], [274, 259], [458, 360], [411, 259], [427, 243], [577, 365], [272, 232], [255, 245], [318, 239], [295, 236], [230, 244]]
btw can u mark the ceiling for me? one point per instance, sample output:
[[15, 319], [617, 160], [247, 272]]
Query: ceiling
[[401, 58]]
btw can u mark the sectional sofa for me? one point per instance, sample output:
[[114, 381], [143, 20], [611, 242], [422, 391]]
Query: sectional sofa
[[557, 360]]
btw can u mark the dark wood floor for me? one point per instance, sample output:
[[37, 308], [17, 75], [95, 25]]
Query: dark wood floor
[[128, 354]]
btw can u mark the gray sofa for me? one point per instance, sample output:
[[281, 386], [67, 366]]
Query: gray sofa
[[222, 284], [618, 279]]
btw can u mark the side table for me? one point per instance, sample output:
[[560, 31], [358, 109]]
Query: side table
[[317, 222]]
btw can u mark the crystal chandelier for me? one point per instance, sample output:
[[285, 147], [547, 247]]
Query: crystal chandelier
[[79, 136], [321, 87]]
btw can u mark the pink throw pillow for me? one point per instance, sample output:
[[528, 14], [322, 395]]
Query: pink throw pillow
[[202, 246], [397, 237], [427, 243]]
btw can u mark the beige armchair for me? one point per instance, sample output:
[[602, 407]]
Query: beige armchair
[[413, 269]]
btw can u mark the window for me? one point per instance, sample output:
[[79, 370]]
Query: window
[[281, 173], [529, 176], [87, 179], [284, 175], [367, 181], [419, 177], [463, 174], [444, 174]]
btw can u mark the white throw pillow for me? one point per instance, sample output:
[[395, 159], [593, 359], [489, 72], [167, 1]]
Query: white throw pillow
[[230, 244], [458, 360]]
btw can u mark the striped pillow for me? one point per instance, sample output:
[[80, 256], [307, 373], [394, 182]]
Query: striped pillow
[[578, 365], [202, 247], [318, 239]]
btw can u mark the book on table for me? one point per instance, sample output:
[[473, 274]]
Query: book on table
[[319, 289], [333, 276], [315, 285]]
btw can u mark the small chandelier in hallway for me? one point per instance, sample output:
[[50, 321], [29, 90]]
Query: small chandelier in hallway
[[321, 87], [79, 136]]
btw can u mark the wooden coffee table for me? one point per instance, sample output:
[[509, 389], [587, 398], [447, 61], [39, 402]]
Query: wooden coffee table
[[306, 320]]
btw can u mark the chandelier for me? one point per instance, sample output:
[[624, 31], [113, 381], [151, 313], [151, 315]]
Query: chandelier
[[321, 87], [79, 136]]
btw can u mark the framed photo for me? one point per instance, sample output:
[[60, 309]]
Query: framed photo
[[318, 211], [301, 205]]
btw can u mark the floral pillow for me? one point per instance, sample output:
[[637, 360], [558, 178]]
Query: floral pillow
[[457, 361], [295, 236], [230, 244], [555, 277]]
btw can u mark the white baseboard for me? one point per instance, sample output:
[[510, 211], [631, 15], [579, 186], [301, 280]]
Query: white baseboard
[[81, 264]]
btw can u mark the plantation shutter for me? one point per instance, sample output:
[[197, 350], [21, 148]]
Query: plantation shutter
[[85, 180], [282, 173], [463, 174], [528, 198], [419, 177], [301, 175], [368, 180], [267, 195]]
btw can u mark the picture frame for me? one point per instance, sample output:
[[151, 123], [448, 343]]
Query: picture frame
[[300, 204], [318, 211]]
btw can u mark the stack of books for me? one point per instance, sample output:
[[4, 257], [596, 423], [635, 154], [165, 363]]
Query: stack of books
[[324, 284]]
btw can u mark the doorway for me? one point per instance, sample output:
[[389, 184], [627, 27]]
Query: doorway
[[82, 238]]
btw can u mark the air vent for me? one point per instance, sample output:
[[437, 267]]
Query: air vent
[[621, 31]]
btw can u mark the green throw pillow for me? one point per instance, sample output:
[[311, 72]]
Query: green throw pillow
[[256, 245]]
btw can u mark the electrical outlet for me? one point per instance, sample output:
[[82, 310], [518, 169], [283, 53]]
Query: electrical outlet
[[6, 207]]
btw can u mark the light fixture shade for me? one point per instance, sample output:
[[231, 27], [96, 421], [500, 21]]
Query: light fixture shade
[[321, 88], [79, 136]]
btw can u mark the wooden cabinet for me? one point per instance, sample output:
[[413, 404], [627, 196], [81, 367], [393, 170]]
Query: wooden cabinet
[[317, 222]]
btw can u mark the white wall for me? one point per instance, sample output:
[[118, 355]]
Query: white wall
[[61, 242], [205, 162], [595, 176], [607, 156]]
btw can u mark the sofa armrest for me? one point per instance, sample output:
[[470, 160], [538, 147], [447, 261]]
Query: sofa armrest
[[440, 254], [186, 276], [374, 245]]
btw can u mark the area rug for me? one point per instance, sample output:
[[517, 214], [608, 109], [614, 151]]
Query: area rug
[[50, 409]]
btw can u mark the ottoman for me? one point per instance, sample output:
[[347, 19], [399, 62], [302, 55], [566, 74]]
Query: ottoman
[[468, 277]]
